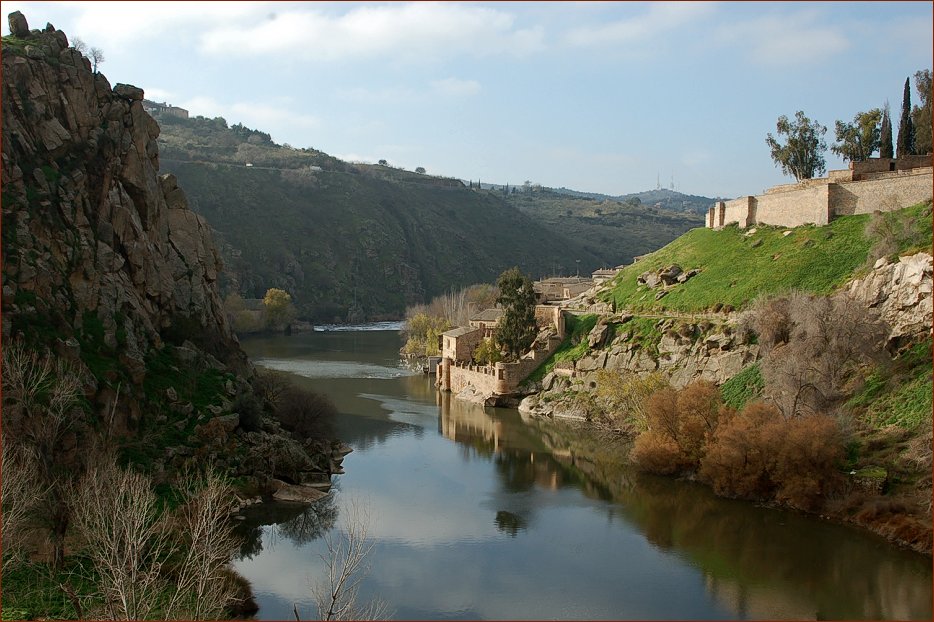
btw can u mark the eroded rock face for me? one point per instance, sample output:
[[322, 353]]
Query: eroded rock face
[[89, 226], [901, 292]]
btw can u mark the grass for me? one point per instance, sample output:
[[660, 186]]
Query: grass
[[901, 396], [33, 590], [736, 267], [743, 387]]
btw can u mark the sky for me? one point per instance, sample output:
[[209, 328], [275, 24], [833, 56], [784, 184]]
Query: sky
[[596, 96]]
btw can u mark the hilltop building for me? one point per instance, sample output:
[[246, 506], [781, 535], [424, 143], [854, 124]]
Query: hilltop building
[[877, 184], [157, 110]]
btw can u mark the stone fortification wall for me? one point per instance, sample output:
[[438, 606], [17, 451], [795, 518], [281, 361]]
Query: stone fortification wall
[[818, 201], [480, 377], [792, 208], [739, 211], [886, 194]]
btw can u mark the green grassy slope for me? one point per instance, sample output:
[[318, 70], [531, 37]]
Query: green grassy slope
[[737, 267]]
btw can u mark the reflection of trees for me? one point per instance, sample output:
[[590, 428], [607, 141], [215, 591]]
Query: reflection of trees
[[299, 524], [510, 523], [312, 523]]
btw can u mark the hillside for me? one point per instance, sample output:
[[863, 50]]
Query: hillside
[[738, 265], [356, 241], [800, 359], [619, 230]]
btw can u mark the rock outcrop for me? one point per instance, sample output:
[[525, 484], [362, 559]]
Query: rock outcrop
[[901, 292], [92, 235]]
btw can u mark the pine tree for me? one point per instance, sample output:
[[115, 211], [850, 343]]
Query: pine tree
[[906, 129], [885, 140]]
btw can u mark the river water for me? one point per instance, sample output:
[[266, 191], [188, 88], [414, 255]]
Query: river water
[[477, 514]]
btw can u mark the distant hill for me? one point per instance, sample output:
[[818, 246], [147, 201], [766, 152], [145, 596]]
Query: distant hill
[[660, 197], [350, 242], [617, 230]]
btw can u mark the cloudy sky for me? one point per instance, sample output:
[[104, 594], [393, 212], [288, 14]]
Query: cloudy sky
[[597, 96]]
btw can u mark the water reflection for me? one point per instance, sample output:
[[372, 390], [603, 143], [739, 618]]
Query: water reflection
[[480, 514], [296, 523]]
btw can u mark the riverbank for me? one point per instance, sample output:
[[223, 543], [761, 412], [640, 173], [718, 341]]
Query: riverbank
[[895, 506]]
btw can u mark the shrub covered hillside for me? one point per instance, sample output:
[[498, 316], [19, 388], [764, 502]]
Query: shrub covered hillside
[[349, 242], [738, 265]]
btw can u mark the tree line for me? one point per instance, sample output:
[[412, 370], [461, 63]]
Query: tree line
[[801, 153]]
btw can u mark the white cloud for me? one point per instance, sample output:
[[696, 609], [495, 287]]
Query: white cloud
[[785, 39], [658, 19], [156, 94], [413, 31], [266, 117], [456, 87], [118, 24]]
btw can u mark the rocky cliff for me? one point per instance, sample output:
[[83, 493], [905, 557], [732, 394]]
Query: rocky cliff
[[94, 240], [684, 350], [106, 267]]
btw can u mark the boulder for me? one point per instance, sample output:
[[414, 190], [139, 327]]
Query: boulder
[[129, 92], [293, 493], [19, 27], [669, 276]]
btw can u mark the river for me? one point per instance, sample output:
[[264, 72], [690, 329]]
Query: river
[[477, 514]]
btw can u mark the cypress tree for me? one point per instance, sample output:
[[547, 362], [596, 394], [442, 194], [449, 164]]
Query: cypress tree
[[885, 140], [906, 129]]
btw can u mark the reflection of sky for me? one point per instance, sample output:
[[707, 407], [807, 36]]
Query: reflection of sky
[[664, 549], [439, 552]]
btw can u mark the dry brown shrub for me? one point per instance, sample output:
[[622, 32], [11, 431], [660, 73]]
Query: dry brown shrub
[[805, 452], [658, 453], [662, 413], [736, 463], [698, 410]]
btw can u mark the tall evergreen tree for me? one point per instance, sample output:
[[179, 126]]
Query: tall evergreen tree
[[516, 329], [886, 149], [921, 115], [906, 129]]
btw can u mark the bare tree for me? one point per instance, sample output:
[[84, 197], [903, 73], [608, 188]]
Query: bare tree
[[811, 344], [127, 538], [347, 564], [79, 44], [40, 398], [97, 57], [20, 492], [202, 590], [149, 562]]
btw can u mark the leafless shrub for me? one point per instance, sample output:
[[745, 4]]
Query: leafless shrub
[[347, 564], [40, 414], [149, 562], [812, 343], [20, 494]]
